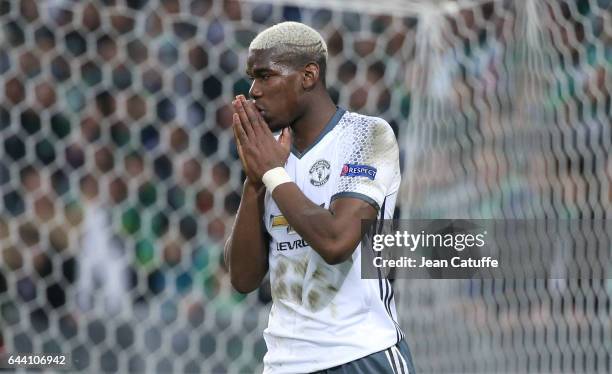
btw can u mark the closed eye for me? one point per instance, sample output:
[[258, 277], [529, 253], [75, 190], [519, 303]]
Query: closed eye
[[263, 77], [263, 74]]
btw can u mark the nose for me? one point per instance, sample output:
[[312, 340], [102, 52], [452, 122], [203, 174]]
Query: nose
[[255, 91]]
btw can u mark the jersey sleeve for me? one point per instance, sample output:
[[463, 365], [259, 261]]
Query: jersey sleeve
[[369, 162]]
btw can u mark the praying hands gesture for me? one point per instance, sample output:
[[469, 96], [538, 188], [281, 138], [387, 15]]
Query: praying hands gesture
[[259, 151]]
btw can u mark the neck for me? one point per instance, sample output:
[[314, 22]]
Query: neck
[[309, 126]]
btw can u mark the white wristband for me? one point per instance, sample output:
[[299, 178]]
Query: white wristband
[[275, 177]]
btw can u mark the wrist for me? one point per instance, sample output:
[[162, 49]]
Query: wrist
[[250, 182], [254, 186], [275, 177]]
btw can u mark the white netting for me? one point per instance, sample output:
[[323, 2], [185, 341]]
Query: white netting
[[510, 118], [119, 179]]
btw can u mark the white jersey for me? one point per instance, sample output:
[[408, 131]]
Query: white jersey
[[326, 315]]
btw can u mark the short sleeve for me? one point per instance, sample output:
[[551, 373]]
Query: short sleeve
[[369, 161]]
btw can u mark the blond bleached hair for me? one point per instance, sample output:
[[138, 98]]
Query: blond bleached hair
[[294, 43], [290, 36]]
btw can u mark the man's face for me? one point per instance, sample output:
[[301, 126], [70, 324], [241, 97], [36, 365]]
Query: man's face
[[275, 88]]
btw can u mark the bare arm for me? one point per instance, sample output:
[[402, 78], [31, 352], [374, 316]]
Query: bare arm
[[246, 251], [333, 234]]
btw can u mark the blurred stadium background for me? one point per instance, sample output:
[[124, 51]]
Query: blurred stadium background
[[119, 178]]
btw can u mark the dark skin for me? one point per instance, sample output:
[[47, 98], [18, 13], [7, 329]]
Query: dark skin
[[284, 98]]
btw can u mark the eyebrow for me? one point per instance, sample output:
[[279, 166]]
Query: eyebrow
[[258, 71]]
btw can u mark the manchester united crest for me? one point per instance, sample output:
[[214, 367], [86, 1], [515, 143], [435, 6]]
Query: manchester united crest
[[319, 173]]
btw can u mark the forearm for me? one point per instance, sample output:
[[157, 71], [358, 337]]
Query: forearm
[[319, 227], [245, 253]]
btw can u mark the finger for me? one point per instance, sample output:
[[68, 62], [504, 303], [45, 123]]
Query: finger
[[285, 138], [252, 114], [235, 121], [265, 127], [244, 119], [239, 133], [241, 136], [238, 146]]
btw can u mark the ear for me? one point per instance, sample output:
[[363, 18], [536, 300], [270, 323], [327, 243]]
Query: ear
[[310, 75]]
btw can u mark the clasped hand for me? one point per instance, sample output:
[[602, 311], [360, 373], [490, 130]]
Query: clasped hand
[[259, 151]]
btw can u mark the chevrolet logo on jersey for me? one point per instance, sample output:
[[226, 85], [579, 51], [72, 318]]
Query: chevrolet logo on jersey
[[296, 244], [279, 222]]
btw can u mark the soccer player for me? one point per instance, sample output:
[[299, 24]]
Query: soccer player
[[305, 194]]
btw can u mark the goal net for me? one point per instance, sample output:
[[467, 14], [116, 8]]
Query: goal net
[[509, 118], [119, 179]]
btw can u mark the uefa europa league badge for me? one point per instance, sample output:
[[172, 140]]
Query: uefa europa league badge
[[319, 173]]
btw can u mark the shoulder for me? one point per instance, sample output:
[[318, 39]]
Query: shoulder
[[356, 120], [365, 128]]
